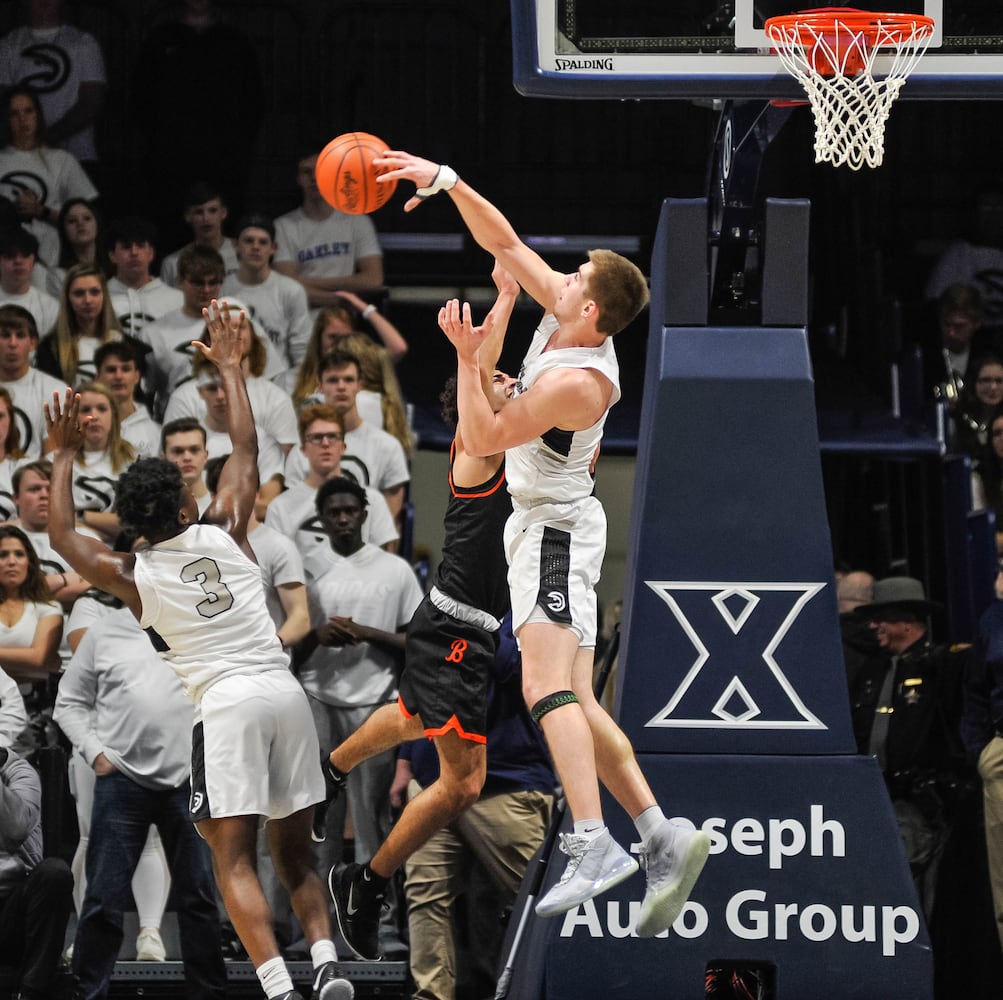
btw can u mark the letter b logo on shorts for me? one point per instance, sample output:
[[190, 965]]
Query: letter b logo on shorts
[[457, 648]]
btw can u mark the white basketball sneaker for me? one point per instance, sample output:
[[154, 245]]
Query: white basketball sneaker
[[672, 860], [595, 864]]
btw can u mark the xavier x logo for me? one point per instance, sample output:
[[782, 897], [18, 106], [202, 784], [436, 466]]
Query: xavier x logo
[[735, 680]]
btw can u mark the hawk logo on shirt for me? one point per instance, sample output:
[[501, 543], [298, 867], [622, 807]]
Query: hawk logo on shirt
[[14, 182], [53, 69]]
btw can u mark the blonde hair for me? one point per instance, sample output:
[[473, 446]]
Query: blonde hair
[[66, 331], [121, 453]]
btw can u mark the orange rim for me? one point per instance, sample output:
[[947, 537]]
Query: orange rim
[[866, 22]]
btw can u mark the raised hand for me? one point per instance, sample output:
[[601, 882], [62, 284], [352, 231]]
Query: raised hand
[[456, 323], [226, 345], [398, 165], [63, 422]]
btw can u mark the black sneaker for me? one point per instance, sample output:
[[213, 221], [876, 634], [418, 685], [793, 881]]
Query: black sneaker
[[357, 909], [329, 984], [333, 787]]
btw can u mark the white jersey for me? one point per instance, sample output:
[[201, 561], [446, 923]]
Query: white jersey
[[29, 393], [169, 265], [279, 310], [135, 307], [273, 410], [204, 608], [325, 248], [55, 61], [43, 306], [555, 466]]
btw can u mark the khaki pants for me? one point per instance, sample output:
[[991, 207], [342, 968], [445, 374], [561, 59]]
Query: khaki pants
[[502, 833]]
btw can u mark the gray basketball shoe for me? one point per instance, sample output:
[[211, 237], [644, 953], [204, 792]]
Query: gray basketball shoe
[[672, 860], [594, 865]]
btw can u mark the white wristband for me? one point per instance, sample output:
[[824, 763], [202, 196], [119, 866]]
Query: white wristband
[[368, 311], [445, 180]]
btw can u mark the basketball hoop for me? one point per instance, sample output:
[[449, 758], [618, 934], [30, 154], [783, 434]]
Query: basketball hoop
[[832, 52]]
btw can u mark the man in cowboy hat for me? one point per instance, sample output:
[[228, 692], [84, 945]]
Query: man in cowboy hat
[[906, 711]]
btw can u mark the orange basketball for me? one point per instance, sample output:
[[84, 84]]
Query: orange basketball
[[346, 176]]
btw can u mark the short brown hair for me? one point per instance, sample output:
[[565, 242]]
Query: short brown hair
[[338, 358], [200, 262], [18, 319], [618, 288], [42, 468], [183, 425]]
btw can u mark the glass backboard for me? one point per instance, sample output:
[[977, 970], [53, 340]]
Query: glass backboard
[[705, 49]]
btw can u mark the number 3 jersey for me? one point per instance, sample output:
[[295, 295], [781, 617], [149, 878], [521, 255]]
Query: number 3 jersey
[[204, 608]]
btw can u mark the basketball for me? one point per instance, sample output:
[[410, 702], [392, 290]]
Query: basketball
[[346, 176]]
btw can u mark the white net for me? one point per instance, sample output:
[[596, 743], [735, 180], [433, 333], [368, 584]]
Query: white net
[[833, 56]]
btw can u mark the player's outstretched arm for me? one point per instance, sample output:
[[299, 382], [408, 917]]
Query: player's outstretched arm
[[487, 225], [238, 481], [107, 570]]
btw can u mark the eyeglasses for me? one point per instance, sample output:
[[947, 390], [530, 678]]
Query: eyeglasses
[[324, 437]]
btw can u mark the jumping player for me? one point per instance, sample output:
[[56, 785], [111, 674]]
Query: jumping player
[[196, 589], [556, 539], [451, 642]]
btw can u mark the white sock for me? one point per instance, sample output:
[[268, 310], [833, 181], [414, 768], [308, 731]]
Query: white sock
[[590, 828], [322, 952], [648, 822], [274, 977]]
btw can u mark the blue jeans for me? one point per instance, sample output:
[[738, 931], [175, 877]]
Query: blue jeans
[[122, 815]]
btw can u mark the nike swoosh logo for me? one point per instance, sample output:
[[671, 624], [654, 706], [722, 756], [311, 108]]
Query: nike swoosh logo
[[351, 910]]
